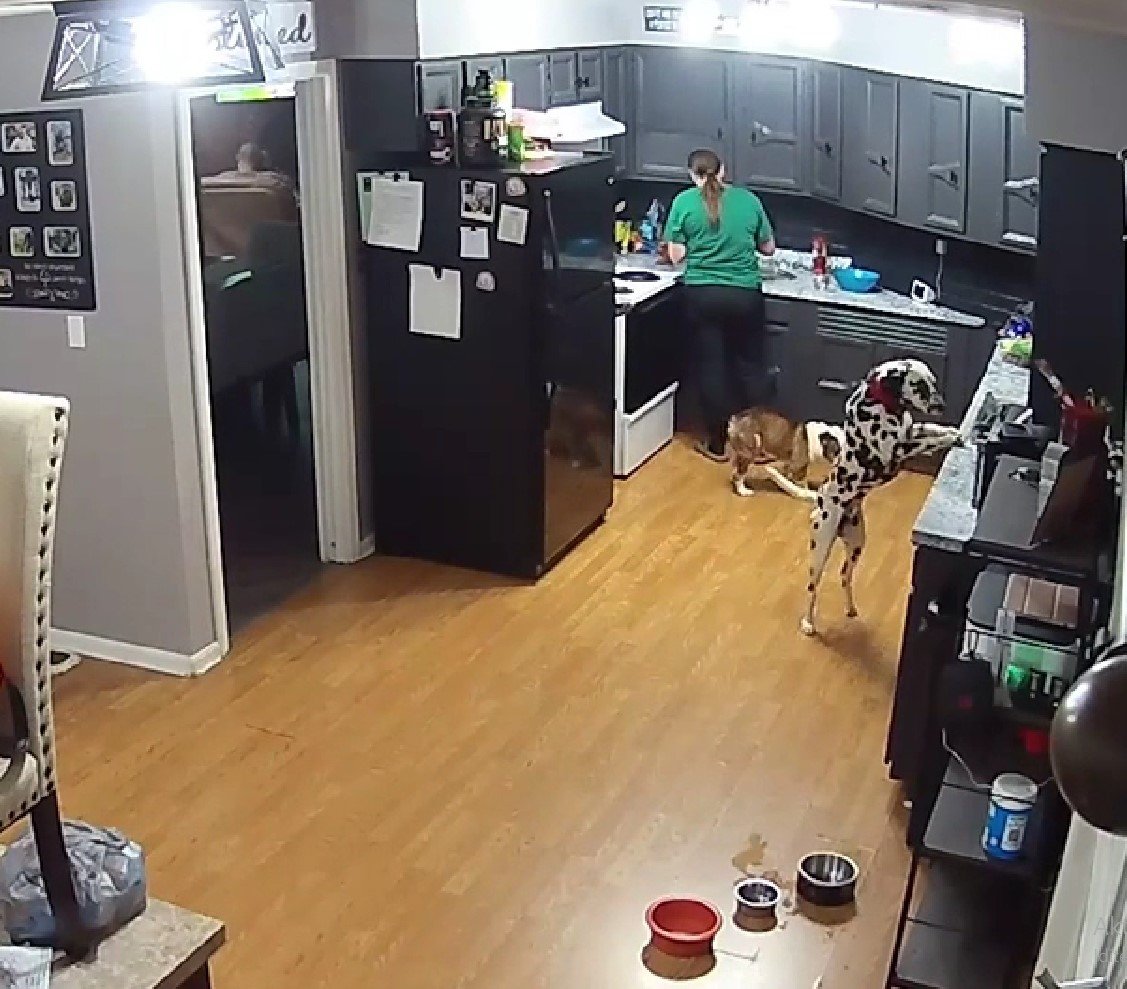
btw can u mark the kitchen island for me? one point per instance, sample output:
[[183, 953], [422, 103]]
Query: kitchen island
[[940, 579]]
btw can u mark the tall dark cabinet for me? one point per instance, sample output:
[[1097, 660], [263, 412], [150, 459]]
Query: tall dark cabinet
[[1080, 322]]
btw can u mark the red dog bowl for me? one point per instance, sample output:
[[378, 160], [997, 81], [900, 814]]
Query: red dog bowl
[[683, 928]]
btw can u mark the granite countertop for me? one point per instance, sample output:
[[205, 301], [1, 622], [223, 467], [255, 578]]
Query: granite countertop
[[948, 517], [161, 949], [802, 288]]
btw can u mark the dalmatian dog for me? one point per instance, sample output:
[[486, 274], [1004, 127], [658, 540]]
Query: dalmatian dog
[[880, 436]]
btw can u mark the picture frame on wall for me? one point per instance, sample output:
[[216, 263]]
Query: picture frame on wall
[[60, 143], [46, 246], [19, 137], [64, 196]]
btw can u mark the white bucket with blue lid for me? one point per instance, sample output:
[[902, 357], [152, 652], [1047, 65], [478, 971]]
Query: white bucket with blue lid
[[1011, 803]]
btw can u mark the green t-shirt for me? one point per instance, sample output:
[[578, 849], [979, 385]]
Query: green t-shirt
[[724, 254]]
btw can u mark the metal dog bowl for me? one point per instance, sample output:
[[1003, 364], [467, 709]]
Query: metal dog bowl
[[827, 879], [756, 900]]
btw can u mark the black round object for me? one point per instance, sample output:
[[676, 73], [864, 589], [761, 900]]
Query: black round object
[[636, 275], [756, 899], [1088, 746], [827, 879]]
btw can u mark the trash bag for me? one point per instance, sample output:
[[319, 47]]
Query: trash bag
[[109, 879]]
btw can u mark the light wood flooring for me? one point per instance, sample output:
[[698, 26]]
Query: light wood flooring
[[423, 778]]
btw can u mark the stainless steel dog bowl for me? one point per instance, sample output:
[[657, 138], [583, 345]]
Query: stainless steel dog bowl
[[827, 879], [756, 900]]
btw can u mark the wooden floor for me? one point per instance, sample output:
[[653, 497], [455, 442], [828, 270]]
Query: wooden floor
[[416, 777]]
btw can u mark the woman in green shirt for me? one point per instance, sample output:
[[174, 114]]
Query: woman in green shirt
[[717, 229]]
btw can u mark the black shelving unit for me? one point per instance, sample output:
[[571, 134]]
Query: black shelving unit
[[970, 921]]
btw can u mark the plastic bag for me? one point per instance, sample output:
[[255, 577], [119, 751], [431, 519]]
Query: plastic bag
[[109, 879]]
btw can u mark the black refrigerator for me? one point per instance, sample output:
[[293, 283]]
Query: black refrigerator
[[492, 442]]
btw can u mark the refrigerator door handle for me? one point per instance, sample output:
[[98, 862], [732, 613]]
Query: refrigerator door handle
[[553, 240]]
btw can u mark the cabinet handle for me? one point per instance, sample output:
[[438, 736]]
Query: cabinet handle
[[719, 133], [831, 384], [1025, 188], [826, 148], [881, 162], [946, 173]]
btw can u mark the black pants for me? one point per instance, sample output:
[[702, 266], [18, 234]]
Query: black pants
[[729, 343]]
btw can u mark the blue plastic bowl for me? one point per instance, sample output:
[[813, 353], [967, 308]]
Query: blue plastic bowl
[[857, 279]]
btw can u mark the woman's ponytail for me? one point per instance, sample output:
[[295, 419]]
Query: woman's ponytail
[[704, 165]]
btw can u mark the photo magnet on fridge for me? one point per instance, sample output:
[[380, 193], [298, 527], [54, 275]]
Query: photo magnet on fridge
[[479, 200]]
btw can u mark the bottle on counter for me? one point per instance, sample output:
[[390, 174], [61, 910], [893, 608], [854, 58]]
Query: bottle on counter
[[820, 260]]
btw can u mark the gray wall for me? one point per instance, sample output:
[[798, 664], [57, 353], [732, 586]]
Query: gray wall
[[369, 28], [130, 552], [1075, 84]]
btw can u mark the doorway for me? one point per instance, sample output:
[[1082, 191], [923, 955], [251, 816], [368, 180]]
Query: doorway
[[248, 184]]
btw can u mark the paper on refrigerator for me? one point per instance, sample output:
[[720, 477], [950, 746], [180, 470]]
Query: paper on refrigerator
[[436, 301], [25, 968], [396, 217]]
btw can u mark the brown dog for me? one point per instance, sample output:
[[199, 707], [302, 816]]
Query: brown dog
[[783, 450]]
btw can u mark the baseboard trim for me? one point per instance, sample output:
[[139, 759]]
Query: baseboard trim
[[129, 654]]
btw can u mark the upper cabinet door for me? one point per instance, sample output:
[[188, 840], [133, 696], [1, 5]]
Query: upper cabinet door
[[493, 64], [1021, 186], [768, 138], [934, 129], [590, 81], [825, 130], [615, 79], [682, 104], [1005, 173], [869, 172], [562, 79], [529, 76], [440, 85]]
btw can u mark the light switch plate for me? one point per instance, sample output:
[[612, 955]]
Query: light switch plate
[[76, 331]]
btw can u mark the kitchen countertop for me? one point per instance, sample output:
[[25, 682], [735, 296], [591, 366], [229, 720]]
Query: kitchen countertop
[[948, 517], [802, 288]]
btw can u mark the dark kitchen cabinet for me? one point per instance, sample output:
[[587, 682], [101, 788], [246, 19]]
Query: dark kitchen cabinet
[[589, 84], [493, 64], [681, 103], [617, 103], [934, 131], [1005, 173], [824, 147], [440, 85], [529, 76], [869, 163], [770, 119], [563, 85]]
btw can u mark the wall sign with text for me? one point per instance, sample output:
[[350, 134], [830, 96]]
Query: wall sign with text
[[662, 20], [45, 248]]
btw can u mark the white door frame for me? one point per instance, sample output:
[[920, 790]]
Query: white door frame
[[330, 337]]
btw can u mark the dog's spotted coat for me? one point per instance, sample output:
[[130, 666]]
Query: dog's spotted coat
[[880, 437]]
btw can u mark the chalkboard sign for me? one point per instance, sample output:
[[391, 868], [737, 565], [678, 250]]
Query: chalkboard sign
[[46, 259]]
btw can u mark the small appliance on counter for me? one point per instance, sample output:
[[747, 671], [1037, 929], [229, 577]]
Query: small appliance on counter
[[482, 126], [1005, 429], [441, 136]]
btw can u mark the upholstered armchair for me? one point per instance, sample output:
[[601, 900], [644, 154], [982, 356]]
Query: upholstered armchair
[[32, 435]]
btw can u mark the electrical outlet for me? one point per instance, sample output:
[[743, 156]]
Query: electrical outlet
[[940, 246]]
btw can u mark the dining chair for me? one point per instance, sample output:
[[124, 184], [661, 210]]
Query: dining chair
[[33, 432]]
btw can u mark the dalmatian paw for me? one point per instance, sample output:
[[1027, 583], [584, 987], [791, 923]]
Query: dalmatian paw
[[742, 489], [851, 612], [807, 627]]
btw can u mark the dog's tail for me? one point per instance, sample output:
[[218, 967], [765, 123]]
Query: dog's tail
[[794, 490]]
